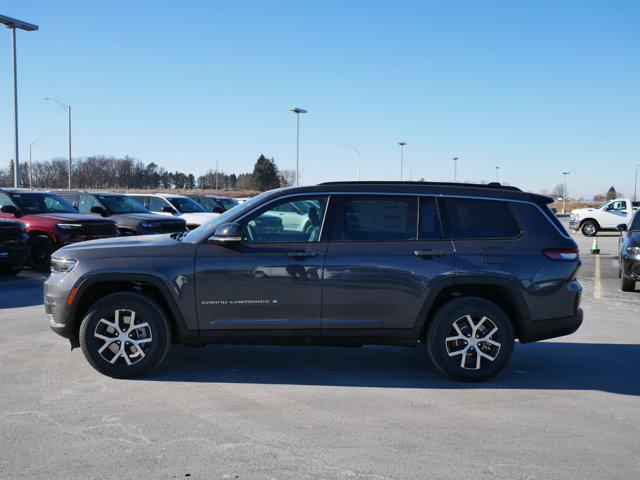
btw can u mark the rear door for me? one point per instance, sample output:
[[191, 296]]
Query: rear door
[[386, 255]]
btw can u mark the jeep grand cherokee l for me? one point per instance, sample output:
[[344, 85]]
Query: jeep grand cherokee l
[[463, 270], [130, 215], [13, 246], [51, 222]]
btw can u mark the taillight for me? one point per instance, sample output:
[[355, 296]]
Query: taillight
[[562, 254]]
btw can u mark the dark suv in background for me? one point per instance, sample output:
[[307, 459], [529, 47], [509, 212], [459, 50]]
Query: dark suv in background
[[51, 222], [461, 269], [13, 246], [132, 217], [215, 203]]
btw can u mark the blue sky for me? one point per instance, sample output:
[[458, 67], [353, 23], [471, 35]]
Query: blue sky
[[535, 87]]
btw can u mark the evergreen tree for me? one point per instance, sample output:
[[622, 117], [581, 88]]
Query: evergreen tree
[[265, 174], [612, 194]]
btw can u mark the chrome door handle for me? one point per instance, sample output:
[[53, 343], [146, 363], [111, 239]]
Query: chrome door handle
[[302, 254], [428, 253]]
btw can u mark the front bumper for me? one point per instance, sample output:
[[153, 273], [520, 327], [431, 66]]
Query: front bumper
[[535, 330], [57, 290], [13, 253], [574, 224]]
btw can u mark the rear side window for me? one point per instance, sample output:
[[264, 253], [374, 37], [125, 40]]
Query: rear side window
[[378, 218], [466, 218]]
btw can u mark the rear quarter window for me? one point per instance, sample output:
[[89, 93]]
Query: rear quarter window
[[471, 218]]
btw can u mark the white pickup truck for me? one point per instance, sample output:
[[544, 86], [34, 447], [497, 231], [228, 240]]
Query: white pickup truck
[[606, 216]]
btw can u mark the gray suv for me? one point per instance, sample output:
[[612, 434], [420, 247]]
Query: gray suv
[[460, 269]]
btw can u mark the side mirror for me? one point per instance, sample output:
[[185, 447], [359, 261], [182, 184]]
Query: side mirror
[[11, 209], [98, 210], [227, 233], [168, 209], [622, 227]]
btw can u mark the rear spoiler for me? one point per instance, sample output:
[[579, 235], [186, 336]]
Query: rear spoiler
[[541, 199]]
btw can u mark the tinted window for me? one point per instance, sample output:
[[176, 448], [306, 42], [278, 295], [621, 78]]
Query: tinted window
[[618, 205], [210, 204], [156, 204], [5, 201], [635, 223], [85, 202], [42, 203], [429, 219], [480, 219], [69, 197], [228, 203], [186, 205], [278, 224], [122, 204], [378, 218]]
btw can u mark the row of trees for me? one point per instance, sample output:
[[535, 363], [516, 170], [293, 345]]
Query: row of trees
[[558, 192], [104, 173]]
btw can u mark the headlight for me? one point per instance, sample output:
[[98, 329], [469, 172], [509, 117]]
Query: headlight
[[62, 265], [633, 250], [68, 226]]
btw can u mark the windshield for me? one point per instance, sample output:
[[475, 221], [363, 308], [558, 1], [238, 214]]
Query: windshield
[[602, 205], [42, 203], [210, 204], [206, 229], [228, 203], [186, 205], [122, 204]]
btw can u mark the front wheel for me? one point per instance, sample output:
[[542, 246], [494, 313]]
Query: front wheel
[[125, 335], [470, 338], [41, 248], [627, 284], [589, 228]]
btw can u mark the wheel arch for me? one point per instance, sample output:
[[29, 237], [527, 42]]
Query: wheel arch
[[589, 219], [95, 287]]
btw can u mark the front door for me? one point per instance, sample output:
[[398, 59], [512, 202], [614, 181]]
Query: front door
[[614, 214], [385, 256], [270, 281]]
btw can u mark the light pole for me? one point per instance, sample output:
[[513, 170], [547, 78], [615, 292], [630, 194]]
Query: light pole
[[402, 144], [455, 169], [30, 166], [497, 173], [13, 23], [564, 193], [217, 170], [358, 154], [66, 108], [635, 185], [298, 111]]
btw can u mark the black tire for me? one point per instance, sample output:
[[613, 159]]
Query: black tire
[[627, 284], [590, 228], [146, 311], [442, 326], [41, 247]]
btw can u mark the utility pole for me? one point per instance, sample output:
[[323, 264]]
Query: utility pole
[[66, 108], [497, 173], [402, 144], [635, 186], [564, 193], [298, 111]]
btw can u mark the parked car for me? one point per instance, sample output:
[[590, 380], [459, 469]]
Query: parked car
[[132, 217], [462, 269], [606, 216], [629, 243], [13, 246], [177, 206], [51, 222], [215, 203]]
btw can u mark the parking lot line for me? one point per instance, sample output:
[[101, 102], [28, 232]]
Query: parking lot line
[[597, 289]]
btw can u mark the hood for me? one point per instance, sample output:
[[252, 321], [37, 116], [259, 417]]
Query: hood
[[142, 217], [116, 245], [67, 217], [578, 211], [199, 218]]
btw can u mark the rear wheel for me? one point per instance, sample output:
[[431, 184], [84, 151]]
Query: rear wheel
[[125, 335], [627, 284], [470, 338], [41, 248], [589, 228]]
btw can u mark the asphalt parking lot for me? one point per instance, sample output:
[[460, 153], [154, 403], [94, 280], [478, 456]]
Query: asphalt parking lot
[[564, 408]]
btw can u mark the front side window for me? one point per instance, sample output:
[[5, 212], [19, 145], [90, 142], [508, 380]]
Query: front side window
[[279, 224], [466, 218], [210, 204], [86, 202], [35, 203], [618, 205], [186, 205], [378, 218], [5, 201], [156, 204]]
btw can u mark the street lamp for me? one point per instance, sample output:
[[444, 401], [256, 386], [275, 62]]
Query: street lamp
[[30, 166], [402, 144], [298, 111], [455, 169], [497, 173], [635, 186], [13, 23], [564, 193], [357, 153], [66, 108]]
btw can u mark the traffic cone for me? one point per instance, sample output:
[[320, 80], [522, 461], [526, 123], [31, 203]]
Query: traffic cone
[[595, 248]]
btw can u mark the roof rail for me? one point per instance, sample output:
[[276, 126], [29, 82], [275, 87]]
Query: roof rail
[[492, 185]]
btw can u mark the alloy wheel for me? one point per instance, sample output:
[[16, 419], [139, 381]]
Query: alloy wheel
[[121, 340], [473, 340]]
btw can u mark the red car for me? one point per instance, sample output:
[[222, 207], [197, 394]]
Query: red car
[[51, 222]]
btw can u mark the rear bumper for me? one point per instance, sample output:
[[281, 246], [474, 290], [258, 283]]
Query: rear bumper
[[535, 330]]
